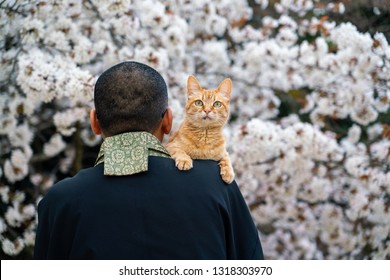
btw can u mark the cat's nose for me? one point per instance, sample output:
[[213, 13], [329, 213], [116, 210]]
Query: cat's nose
[[207, 110]]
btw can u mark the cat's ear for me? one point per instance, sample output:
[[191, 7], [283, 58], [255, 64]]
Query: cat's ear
[[192, 85], [225, 87]]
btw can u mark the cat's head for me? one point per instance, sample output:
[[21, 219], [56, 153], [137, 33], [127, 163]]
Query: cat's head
[[208, 107]]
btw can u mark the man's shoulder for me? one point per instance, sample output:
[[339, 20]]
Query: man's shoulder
[[72, 185], [204, 166], [203, 174], [83, 175]]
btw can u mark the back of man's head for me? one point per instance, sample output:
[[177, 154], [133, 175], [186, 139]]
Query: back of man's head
[[130, 96]]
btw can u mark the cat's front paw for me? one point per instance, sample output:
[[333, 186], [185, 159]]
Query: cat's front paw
[[227, 173], [184, 163]]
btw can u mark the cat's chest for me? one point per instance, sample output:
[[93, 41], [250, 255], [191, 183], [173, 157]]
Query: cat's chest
[[206, 148]]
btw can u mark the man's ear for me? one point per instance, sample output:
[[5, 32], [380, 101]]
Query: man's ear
[[167, 121], [94, 122]]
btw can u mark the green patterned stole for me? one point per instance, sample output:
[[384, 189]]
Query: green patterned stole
[[127, 153]]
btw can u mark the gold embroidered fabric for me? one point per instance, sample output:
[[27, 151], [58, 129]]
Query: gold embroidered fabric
[[127, 153]]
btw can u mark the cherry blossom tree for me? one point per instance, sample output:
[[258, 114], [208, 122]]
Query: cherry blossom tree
[[308, 134]]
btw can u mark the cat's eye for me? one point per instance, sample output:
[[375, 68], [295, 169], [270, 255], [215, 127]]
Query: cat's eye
[[217, 104], [199, 103]]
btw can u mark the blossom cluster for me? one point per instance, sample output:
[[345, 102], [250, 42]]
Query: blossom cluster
[[310, 192], [315, 175]]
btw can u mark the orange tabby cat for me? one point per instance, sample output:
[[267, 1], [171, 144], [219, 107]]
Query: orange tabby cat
[[200, 135]]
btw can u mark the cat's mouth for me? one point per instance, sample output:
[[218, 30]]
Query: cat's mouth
[[207, 116]]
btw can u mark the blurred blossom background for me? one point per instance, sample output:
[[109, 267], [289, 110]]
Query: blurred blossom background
[[309, 132]]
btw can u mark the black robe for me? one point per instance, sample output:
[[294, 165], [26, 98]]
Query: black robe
[[163, 213]]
